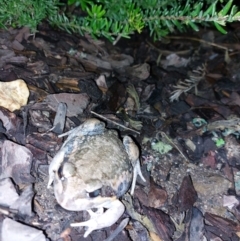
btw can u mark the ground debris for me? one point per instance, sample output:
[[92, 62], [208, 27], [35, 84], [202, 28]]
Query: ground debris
[[158, 93]]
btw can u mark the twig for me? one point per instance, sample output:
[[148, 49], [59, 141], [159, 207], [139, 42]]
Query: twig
[[106, 119], [167, 52], [117, 39], [119, 229], [201, 41], [169, 140]]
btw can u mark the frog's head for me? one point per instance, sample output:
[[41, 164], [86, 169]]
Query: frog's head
[[92, 127]]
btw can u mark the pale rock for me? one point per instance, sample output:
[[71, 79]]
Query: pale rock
[[8, 194], [24, 203], [14, 94], [210, 189], [15, 231], [16, 162], [211, 185]]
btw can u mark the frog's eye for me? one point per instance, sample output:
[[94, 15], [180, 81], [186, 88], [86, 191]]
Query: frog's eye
[[94, 193], [66, 170]]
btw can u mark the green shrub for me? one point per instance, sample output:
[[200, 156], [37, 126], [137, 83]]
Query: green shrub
[[114, 19], [26, 12]]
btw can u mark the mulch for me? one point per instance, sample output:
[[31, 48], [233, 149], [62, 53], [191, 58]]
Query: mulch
[[179, 98]]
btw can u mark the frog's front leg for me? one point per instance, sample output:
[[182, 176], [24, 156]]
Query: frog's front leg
[[100, 219], [133, 153], [55, 165], [136, 171]]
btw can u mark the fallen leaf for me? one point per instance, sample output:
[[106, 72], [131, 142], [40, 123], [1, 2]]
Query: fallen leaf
[[76, 103], [187, 195], [157, 196]]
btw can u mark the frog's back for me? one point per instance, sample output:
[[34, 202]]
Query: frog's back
[[103, 158]]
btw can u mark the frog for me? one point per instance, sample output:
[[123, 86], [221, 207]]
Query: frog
[[92, 170]]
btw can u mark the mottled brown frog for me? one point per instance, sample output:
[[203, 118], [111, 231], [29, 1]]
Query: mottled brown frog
[[93, 169]]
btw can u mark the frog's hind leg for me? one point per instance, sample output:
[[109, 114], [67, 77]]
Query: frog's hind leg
[[100, 219]]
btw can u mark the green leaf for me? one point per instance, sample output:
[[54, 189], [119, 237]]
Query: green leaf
[[169, 25], [125, 36], [233, 10], [115, 28], [90, 13], [219, 142], [70, 2], [220, 28], [94, 8], [211, 10], [225, 10], [161, 147], [196, 9], [193, 25], [101, 13], [236, 17], [94, 26]]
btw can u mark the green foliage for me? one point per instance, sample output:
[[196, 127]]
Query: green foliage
[[114, 19], [161, 147], [26, 12], [219, 142], [122, 18]]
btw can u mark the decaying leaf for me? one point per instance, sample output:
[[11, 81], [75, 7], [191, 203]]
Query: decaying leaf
[[187, 195], [138, 72], [133, 93], [135, 124], [161, 147], [138, 232], [175, 60], [157, 196], [101, 83], [184, 86], [156, 221], [76, 103]]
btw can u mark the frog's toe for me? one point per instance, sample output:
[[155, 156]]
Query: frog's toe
[[96, 214], [100, 219], [136, 171]]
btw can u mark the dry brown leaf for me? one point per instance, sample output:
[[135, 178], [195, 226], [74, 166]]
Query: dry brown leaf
[[76, 103]]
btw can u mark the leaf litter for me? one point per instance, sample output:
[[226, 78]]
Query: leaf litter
[[192, 171]]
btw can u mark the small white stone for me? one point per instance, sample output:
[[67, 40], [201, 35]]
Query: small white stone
[[13, 94], [12, 231], [8, 194]]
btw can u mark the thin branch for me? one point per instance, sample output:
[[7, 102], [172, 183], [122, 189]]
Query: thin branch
[[169, 140], [199, 40], [106, 119]]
